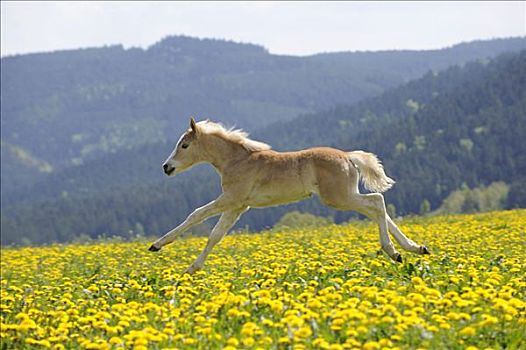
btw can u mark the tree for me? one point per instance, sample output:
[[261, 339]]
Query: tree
[[425, 207]]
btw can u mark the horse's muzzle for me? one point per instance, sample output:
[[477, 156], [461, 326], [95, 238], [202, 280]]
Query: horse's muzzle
[[168, 169]]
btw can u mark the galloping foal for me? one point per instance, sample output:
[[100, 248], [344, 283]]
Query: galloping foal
[[252, 175]]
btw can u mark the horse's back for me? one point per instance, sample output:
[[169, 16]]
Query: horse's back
[[280, 177], [308, 154]]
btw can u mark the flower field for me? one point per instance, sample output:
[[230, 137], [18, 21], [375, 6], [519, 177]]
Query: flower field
[[322, 288]]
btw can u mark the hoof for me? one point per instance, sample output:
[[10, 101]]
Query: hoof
[[398, 258], [154, 248], [192, 269], [424, 250]]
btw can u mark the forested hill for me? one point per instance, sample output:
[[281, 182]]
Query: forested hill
[[463, 125], [340, 125], [65, 108]]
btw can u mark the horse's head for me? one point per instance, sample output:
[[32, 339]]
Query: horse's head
[[186, 153]]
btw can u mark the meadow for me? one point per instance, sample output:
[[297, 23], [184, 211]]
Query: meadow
[[312, 288]]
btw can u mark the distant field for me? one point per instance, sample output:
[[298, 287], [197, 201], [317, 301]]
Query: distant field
[[325, 288]]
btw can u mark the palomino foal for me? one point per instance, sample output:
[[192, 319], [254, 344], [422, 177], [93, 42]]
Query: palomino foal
[[252, 175]]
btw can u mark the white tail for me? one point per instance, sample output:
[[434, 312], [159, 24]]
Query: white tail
[[371, 171]]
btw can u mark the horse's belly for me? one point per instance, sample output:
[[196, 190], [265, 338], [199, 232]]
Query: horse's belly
[[277, 194], [283, 183], [269, 200]]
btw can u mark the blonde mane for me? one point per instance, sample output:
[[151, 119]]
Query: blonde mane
[[234, 135]]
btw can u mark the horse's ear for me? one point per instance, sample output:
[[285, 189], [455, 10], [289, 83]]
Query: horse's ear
[[193, 124]]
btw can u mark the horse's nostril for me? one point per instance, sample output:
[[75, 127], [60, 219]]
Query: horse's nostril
[[165, 167]]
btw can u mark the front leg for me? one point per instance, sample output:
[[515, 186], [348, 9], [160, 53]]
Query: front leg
[[199, 215], [227, 220]]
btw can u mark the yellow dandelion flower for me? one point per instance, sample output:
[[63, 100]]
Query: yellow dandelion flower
[[249, 341], [371, 345], [468, 331]]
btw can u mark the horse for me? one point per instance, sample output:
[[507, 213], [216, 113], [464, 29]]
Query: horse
[[255, 176]]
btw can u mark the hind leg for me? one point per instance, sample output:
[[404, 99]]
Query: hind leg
[[339, 190], [372, 205], [405, 243]]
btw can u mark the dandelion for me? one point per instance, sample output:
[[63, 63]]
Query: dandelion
[[468, 331], [371, 345], [303, 332], [249, 341]]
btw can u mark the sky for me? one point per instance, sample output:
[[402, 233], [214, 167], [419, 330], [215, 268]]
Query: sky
[[294, 28]]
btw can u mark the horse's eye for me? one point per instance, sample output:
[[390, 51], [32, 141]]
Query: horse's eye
[[184, 145]]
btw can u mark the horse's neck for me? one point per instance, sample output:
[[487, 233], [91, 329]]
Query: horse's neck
[[222, 152]]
